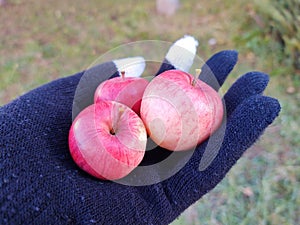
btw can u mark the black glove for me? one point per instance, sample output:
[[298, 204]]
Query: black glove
[[41, 184]]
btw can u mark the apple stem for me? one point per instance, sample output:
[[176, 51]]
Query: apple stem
[[123, 74], [196, 76], [112, 131]]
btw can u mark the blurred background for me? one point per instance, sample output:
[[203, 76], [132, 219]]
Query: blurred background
[[44, 40]]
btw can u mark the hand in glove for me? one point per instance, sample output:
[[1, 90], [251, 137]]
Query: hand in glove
[[40, 183]]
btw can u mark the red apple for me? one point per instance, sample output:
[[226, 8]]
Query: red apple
[[180, 111], [126, 90], [107, 140]]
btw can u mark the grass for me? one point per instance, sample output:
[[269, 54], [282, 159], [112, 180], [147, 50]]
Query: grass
[[44, 40]]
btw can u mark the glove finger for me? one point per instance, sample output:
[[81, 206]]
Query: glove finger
[[246, 124], [249, 84], [84, 94], [217, 68], [244, 127], [180, 55]]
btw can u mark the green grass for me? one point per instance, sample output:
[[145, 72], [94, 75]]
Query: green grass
[[44, 40]]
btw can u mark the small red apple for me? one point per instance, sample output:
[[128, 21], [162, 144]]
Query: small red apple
[[180, 111], [126, 90], [107, 140]]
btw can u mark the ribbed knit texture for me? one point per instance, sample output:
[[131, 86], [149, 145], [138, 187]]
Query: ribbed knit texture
[[40, 183]]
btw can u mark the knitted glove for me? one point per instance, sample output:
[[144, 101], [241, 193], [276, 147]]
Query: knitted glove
[[41, 184]]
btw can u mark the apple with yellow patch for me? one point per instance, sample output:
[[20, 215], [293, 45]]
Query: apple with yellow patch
[[180, 111]]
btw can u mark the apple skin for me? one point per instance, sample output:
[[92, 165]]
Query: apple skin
[[178, 115], [107, 140], [126, 90]]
